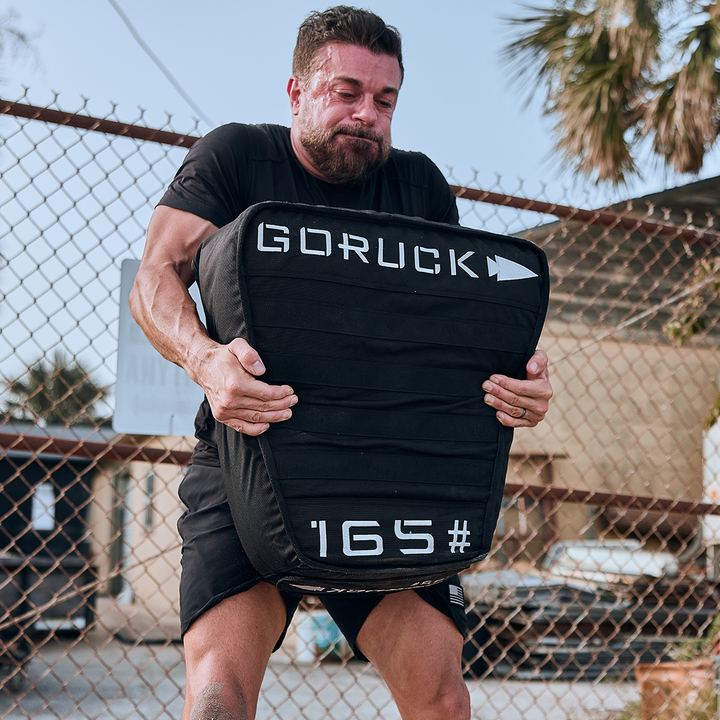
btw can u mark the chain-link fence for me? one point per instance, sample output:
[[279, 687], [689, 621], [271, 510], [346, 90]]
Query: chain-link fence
[[605, 562]]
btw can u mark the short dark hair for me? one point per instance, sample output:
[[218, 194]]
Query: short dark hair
[[348, 25]]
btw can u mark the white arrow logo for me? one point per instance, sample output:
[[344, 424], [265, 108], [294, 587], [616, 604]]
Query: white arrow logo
[[506, 269]]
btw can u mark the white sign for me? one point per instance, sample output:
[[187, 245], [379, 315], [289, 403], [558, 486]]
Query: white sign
[[152, 395], [42, 510]]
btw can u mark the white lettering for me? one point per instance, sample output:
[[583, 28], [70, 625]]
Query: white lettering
[[401, 256], [284, 242], [430, 251], [277, 239], [426, 537], [348, 525], [303, 242], [359, 249], [323, 535], [459, 537], [454, 264]]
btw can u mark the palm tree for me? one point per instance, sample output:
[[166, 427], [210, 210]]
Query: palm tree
[[618, 72], [59, 392]]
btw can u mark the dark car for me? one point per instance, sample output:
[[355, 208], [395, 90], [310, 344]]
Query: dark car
[[595, 609]]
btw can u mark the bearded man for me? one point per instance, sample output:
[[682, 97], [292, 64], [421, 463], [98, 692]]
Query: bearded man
[[347, 73]]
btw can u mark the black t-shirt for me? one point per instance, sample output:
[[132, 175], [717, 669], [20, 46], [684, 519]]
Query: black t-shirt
[[236, 166]]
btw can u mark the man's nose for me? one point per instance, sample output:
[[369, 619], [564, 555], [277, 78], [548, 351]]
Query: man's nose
[[364, 110]]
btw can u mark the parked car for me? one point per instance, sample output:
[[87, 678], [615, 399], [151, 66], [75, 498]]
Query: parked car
[[608, 561], [593, 609]]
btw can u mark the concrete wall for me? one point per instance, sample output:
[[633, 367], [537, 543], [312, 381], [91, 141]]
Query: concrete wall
[[626, 417]]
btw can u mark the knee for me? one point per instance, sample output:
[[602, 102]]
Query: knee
[[447, 702], [218, 701], [452, 704]]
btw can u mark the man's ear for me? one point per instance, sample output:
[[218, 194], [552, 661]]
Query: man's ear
[[294, 91]]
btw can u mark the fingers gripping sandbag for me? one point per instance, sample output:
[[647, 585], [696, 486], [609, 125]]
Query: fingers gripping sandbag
[[390, 472]]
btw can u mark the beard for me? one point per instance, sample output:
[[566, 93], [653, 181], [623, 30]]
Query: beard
[[350, 163]]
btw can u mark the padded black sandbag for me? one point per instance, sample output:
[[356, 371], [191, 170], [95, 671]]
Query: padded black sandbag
[[391, 470]]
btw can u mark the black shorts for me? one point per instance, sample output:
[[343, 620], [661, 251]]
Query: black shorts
[[214, 565]]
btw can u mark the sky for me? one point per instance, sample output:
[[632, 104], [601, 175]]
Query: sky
[[233, 60]]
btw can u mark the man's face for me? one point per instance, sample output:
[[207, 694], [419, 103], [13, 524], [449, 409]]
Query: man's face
[[342, 113]]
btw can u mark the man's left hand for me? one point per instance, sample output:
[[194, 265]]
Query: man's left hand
[[521, 403]]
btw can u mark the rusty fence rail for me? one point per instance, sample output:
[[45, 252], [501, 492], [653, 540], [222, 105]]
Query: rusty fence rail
[[605, 562]]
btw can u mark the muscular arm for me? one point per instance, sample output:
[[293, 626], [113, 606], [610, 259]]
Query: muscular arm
[[162, 306]]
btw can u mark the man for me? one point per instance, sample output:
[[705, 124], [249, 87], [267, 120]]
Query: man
[[347, 72]]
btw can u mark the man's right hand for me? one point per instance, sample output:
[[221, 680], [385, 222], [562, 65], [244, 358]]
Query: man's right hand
[[237, 398]]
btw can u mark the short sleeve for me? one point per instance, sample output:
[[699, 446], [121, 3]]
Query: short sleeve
[[208, 183], [444, 203]]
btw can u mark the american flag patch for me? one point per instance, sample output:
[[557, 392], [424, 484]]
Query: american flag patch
[[457, 596]]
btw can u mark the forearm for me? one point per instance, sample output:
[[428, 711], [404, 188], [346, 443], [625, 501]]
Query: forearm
[[162, 306], [160, 301]]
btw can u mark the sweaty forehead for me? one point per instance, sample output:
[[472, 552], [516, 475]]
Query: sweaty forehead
[[358, 65]]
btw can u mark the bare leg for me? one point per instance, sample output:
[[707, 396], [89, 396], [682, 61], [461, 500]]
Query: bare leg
[[418, 652], [226, 652]]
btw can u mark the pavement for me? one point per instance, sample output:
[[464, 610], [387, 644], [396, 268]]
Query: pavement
[[130, 667]]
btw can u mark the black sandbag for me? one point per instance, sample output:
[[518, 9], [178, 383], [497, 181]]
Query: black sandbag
[[390, 473]]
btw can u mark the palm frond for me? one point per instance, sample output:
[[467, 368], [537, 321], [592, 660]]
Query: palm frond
[[539, 55], [596, 61], [683, 114]]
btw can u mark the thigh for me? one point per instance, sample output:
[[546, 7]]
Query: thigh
[[407, 632], [227, 650], [418, 651], [350, 611]]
